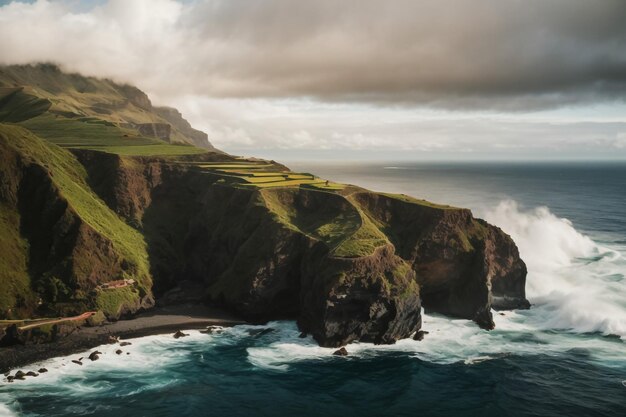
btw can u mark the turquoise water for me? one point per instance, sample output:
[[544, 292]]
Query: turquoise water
[[565, 356]]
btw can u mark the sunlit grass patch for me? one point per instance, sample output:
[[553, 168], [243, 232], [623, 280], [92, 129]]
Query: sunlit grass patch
[[286, 183]]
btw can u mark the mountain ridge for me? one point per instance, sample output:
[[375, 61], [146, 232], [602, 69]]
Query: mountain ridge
[[74, 96]]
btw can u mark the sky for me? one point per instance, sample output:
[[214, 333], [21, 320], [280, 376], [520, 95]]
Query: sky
[[355, 79]]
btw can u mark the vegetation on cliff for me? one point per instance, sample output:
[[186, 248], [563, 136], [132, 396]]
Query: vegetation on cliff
[[57, 230], [87, 199]]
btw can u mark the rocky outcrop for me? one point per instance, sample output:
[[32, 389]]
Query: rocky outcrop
[[174, 117], [372, 299], [462, 264], [155, 130], [135, 96]]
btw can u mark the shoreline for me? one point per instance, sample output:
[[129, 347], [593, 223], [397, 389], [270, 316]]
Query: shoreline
[[161, 320]]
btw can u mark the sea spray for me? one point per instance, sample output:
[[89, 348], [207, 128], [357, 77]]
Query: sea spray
[[573, 282]]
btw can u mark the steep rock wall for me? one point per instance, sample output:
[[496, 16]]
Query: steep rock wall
[[462, 264]]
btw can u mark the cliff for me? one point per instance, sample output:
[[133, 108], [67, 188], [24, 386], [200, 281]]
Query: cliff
[[97, 218], [348, 264], [173, 116], [60, 241]]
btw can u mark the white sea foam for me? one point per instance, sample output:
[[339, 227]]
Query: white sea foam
[[573, 282], [145, 353], [6, 411], [448, 341]]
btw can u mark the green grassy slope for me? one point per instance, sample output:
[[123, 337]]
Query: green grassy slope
[[69, 177], [17, 105], [83, 132], [98, 134], [14, 278]]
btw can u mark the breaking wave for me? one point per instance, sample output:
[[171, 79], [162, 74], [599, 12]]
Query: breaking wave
[[573, 282]]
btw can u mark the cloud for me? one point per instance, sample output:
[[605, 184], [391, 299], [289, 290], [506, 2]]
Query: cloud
[[288, 129], [506, 55]]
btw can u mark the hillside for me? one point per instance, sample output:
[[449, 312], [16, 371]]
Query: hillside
[[61, 241], [72, 100], [96, 216]]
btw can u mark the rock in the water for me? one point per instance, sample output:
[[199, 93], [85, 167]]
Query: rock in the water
[[77, 362], [179, 334], [31, 373], [42, 370], [19, 375], [212, 329], [485, 320], [118, 352], [128, 353], [125, 344], [94, 356], [341, 352], [10, 378], [113, 339], [420, 335]]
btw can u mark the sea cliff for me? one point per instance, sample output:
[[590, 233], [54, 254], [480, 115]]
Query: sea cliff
[[112, 220]]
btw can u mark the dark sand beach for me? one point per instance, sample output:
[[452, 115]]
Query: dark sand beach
[[157, 321]]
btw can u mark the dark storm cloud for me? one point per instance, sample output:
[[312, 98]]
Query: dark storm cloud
[[499, 54]]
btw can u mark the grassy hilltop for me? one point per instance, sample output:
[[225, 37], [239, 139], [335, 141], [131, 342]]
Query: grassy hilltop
[[77, 111]]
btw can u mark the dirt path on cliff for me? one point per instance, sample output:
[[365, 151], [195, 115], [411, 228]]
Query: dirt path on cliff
[[83, 316]]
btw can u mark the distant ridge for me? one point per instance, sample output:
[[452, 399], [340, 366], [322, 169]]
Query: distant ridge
[[44, 88]]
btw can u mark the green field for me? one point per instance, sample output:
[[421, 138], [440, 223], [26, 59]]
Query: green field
[[100, 135], [265, 175], [70, 133]]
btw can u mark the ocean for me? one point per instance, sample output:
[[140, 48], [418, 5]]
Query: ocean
[[566, 356]]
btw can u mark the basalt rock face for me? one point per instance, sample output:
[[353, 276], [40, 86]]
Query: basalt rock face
[[155, 130], [174, 117], [372, 299], [464, 265]]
